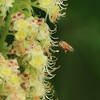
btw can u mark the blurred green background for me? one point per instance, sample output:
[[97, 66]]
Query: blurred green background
[[79, 75]]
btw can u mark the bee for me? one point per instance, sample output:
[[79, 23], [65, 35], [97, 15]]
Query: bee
[[66, 46]]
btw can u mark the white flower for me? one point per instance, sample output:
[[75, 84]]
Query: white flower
[[38, 62], [53, 8], [4, 6], [46, 3], [21, 24], [39, 88]]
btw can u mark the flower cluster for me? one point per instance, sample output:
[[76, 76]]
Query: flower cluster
[[26, 62], [10, 80], [31, 43], [32, 35]]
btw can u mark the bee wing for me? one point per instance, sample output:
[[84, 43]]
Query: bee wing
[[70, 48]]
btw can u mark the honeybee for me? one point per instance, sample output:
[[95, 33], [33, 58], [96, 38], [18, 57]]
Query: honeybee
[[66, 46]]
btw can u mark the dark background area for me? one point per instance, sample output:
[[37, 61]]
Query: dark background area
[[79, 75]]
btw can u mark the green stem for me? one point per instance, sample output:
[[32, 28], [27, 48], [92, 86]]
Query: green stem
[[6, 29]]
